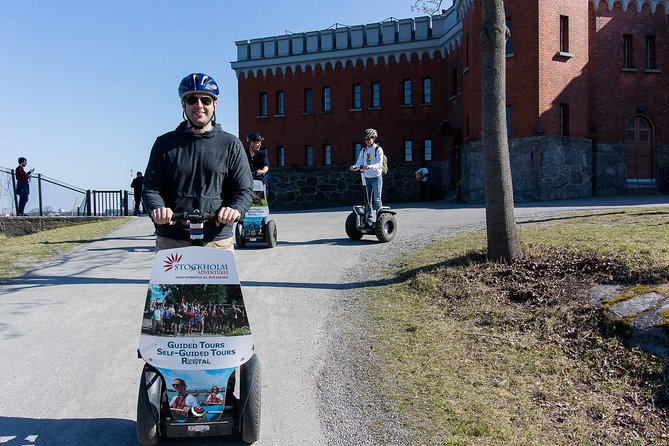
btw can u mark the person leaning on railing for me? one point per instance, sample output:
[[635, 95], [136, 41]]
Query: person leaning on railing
[[23, 185]]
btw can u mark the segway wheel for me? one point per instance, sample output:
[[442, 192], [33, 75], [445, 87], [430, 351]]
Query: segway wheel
[[249, 389], [270, 233], [352, 227], [148, 407], [239, 234], [386, 227]]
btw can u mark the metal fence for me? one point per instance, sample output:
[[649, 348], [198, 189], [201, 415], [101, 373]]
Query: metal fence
[[49, 196]]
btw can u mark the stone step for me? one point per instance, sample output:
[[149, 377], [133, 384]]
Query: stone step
[[638, 314]]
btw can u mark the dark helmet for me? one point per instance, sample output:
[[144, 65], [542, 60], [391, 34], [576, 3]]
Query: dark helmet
[[254, 136], [198, 83]]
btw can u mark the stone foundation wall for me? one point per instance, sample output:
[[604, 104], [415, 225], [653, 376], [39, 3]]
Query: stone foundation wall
[[315, 187], [542, 168], [611, 167]]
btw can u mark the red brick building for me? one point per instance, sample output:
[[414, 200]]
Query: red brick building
[[587, 103]]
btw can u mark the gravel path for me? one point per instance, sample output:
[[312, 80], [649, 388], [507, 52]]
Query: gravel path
[[351, 414]]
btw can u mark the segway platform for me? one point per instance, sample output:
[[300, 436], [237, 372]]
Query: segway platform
[[256, 225], [195, 334]]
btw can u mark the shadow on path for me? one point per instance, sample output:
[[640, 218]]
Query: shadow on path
[[18, 431]]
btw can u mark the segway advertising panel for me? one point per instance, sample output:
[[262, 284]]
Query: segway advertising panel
[[195, 334]]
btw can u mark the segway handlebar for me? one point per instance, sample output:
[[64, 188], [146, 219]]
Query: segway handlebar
[[196, 221], [195, 216]]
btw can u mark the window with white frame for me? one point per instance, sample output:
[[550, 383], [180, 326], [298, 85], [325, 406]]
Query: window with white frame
[[427, 90], [627, 51], [327, 154], [262, 109], [280, 156], [355, 100], [407, 92], [408, 150], [280, 106], [376, 94], [327, 106], [651, 58], [309, 155], [427, 150], [308, 101]]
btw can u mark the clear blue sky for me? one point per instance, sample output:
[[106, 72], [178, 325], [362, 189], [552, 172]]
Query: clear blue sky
[[88, 85]]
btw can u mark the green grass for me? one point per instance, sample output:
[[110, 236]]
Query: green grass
[[476, 368], [20, 253]]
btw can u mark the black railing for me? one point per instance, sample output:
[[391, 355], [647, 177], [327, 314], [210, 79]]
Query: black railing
[[86, 202]]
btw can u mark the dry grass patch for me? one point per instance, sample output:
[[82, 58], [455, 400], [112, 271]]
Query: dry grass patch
[[20, 253], [475, 353]]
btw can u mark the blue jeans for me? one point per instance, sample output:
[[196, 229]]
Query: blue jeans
[[22, 190], [374, 188]]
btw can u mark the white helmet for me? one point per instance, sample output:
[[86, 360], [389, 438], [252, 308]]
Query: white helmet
[[371, 133]]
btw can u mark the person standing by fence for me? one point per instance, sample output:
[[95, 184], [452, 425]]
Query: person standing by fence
[[22, 185], [137, 184]]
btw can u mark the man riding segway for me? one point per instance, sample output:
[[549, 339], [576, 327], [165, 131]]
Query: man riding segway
[[258, 159]]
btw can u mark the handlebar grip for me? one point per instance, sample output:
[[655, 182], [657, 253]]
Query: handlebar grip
[[195, 216]]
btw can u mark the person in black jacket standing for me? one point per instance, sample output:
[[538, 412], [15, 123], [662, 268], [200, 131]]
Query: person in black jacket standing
[[136, 185], [198, 166]]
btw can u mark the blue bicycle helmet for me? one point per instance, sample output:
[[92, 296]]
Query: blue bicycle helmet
[[198, 83]]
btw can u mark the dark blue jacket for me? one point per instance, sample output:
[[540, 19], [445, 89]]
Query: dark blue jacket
[[187, 171]]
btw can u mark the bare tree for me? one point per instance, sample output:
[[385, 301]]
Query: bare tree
[[503, 242], [427, 6]]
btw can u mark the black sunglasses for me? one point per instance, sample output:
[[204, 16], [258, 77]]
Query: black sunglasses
[[192, 100]]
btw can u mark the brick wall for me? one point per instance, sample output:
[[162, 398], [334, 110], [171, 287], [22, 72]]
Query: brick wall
[[563, 76], [622, 93], [341, 127], [602, 97]]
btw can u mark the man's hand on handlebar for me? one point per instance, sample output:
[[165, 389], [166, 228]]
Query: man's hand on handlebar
[[162, 216], [228, 215]]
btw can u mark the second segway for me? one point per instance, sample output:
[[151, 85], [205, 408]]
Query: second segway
[[357, 222]]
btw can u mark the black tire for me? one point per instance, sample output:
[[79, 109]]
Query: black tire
[[352, 227], [386, 227], [149, 398], [270, 233], [249, 392], [239, 236]]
